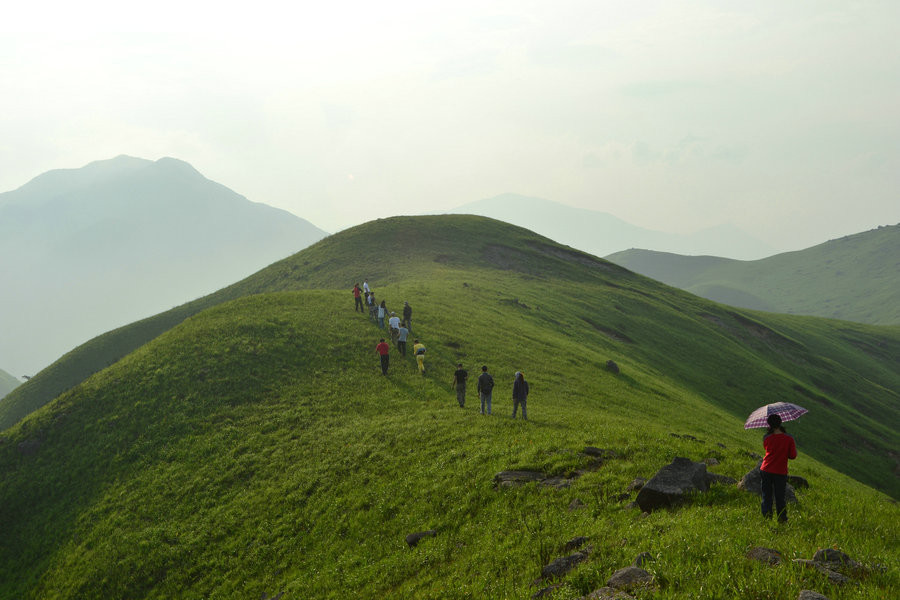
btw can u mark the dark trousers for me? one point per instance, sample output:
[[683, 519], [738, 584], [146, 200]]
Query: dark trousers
[[401, 346], [358, 305], [384, 363], [773, 489]]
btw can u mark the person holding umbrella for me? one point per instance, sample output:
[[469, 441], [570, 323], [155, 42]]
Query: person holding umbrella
[[779, 448]]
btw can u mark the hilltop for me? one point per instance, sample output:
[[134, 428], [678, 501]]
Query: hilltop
[[7, 383], [600, 233], [176, 236], [855, 278], [252, 446]]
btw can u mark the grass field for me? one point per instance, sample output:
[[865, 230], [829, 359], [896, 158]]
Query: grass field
[[255, 448]]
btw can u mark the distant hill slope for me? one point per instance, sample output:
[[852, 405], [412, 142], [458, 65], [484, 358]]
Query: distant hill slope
[[601, 233], [85, 250], [7, 383], [856, 278], [255, 448]]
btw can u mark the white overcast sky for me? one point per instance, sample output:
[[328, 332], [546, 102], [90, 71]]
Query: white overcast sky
[[781, 117]]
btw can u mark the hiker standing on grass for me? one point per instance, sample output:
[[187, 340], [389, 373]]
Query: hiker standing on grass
[[373, 308], [383, 349], [419, 351], [485, 386], [520, 394], [357, 296], [459, 382], [382, 312], [366, 285], [407, 315], [773, 471], [402, 334], [394, 326]]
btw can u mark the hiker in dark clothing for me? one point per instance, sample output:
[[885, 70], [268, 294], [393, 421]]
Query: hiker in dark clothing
[[780, 448], [459, 382], [382, 348], [402, 334], [357, 296], [382, 313], [520, 394], [373, 308], [485, 386], [407, 315]]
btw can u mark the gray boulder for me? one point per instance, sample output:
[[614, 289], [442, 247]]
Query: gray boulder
[[413, 538], [561, 566], [630, 578], [833, 576], [765, 555], [607, 593], [672, 483], [811, 595], [752, 482]]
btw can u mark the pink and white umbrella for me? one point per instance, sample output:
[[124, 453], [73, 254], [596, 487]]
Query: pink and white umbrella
[[786, 410]]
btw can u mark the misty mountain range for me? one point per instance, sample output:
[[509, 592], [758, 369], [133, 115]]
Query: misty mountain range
[[7, 383], [601, 233], [86, 250]]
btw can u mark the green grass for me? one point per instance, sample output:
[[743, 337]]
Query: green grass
[[853, 278], [255, 447]]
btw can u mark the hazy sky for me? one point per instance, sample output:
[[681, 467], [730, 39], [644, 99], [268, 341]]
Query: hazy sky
[[780, 117]]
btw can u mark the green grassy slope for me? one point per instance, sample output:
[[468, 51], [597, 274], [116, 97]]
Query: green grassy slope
[[855, 278], [255, 447]]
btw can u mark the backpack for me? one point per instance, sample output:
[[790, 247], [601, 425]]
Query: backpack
[[487, 383]]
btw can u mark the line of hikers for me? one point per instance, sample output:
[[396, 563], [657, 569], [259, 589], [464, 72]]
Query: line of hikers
[[399, 332]]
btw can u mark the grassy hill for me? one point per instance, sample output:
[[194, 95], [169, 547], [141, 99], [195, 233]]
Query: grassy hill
[[254, 447], [7, 383], [855, 278]]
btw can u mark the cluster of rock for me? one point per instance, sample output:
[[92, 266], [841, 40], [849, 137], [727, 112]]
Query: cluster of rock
[[674, 483], [617, 587], [838, 567], [597, 456]]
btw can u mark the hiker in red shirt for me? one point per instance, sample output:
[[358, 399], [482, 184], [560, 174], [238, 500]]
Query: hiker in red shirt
[[383, 350], [780, 448], [357, 295]]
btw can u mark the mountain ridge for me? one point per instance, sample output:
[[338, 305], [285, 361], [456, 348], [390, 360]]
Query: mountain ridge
[[852, 278]]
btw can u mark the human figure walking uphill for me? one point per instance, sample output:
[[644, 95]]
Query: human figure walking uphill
[[382, 313], [459, 382], [357, 296], [773, 471], [402, 334], [407, 315], [485, 387], [382, 348], [419, 351], [520, 394], [373, 308], [394, 327]]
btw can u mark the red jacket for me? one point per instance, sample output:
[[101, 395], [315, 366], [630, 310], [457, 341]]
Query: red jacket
[[383, 348], [779, 448]]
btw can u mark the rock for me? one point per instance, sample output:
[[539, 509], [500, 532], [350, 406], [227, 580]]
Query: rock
[[810, 595], [275, 597], [623, 497], [557, 482], [561, 566], [837, 560], [833, 576], [712, 478], [752, 482], [643, 558], [607, 593], [711, 461], [637, 484], [545, 592], [513, 478], [721, 445], [765, 555], [413, 538], [599, 453], [797, 482], [576, 504], [612, 367], [630, 578], [753, 455], [671, 483], [575, 543]]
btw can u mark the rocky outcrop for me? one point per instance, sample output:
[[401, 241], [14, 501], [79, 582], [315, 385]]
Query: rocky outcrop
[[413, 538], [563, 565], [765, 555], [672, 484], [630, 578], [752, 482]]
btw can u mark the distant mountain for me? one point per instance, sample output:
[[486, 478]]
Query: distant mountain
[[855, 278], [85, 250], [7, 383], [601, 233]]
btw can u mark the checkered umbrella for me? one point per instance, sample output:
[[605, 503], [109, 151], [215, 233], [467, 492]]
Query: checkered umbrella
[[786, 410]]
